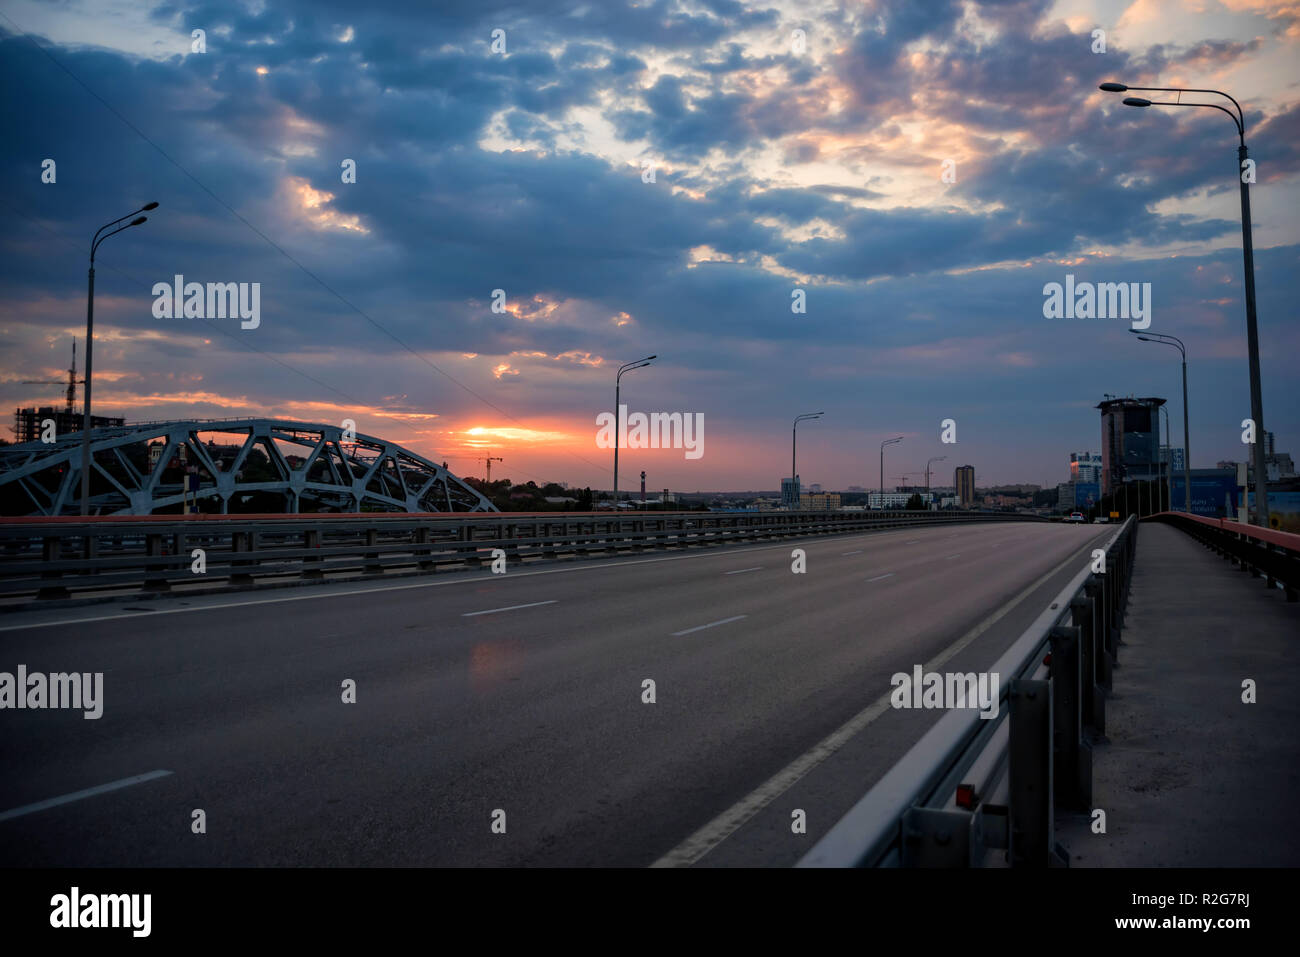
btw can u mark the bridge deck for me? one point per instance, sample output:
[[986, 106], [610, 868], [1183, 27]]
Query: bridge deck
[[1190, 775]]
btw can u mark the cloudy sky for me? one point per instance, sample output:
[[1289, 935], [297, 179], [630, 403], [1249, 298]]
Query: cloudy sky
[[655, 177]]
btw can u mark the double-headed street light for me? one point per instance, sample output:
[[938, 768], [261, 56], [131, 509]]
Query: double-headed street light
[[794, 473], [1248, 253], [882, 467], [99, 237], [618, 413], [1187, 452]]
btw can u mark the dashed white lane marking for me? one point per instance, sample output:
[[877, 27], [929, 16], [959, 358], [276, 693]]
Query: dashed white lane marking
[[741, 571], [845, 554], [695, 847], [79, 795], [712, 624], [493, 611], [951, 557], [912, 542], [879, 577]]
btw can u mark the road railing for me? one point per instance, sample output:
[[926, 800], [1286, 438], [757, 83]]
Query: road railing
[[978, 792], [61, 558], [1266, 553]]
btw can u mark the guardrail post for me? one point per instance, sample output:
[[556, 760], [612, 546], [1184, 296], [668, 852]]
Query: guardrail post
[[1094, 655], [311, 539], [372, 565], [422, 538], [933, 837], [1072, 758], [155, 575], [50, 555], [242, 542], [1032, 830]]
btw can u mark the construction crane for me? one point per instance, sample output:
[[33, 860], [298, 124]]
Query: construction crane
[[72, 379], [489, 459]]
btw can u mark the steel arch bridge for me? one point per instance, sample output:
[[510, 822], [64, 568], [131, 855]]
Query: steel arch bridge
[[266, 465]]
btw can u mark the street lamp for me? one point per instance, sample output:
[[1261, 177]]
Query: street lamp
[[882, 467], [794, 474], [618, 414], [1177, 343], [937, 458], [1248, 254], [90, 344], [1169, 463]]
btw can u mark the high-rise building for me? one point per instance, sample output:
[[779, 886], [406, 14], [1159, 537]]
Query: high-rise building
[[1176, 457], [1130, 441], [1085, 467], [790, 492], [29, 423], [964, 482]]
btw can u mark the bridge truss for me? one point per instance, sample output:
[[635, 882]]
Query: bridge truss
[[228, 465]]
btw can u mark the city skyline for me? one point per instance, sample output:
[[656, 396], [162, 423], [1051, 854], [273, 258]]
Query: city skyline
[[774, 171]]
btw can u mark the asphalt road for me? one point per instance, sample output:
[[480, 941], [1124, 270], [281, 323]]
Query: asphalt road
[[521, 693]]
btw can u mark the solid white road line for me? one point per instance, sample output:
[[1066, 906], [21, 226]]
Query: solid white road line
[[741, 571], [493, 611], [879, 577], [78, 795], [695, 847], [712, 624]]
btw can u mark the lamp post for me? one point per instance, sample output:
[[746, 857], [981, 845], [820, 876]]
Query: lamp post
[[1248, 255], [1169, 462], [618, 414], [882, 468], [937, 458], [99, 237], [1187, 451], [794, 474]]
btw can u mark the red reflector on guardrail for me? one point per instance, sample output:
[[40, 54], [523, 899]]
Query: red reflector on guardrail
[[966, 796]]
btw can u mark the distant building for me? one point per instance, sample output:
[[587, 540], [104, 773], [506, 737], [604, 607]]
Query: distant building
[[815, 488], [1130, 441], [964, 483], [819, 501], [790, 492], [897, 500], [855, 488], [1085, 467], [1065, 495], [28, 422], [1176, 459]]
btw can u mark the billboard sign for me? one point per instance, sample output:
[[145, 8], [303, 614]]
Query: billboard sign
[[1086, 494], [1214, 493]]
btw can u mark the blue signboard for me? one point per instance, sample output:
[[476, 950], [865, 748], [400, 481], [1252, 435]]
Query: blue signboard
[[1214, 493], [1086, 494]]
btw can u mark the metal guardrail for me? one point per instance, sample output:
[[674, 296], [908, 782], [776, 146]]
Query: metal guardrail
[[1264, 552], [59, 558], [983, 792]]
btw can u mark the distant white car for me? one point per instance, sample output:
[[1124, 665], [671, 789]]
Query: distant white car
[[1076, 517], [1101, 520]]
